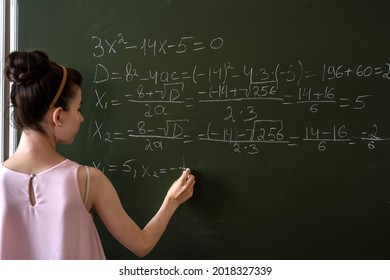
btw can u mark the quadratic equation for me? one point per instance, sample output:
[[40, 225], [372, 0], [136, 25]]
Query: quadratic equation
[[236, 94], [153, 47]]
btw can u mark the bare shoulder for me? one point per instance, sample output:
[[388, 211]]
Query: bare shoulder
[[98, 177], [98, 185], [102, 190], [95, 174]]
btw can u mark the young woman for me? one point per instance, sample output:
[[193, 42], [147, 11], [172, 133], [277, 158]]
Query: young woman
[[45, 199]]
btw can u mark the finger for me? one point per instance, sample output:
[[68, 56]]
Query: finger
[[185, 175], [191, 178]]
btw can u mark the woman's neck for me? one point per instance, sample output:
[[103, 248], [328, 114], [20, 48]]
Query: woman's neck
[[36, 142], [36, 152]]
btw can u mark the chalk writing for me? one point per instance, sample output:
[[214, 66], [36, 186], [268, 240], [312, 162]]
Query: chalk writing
[[171, 101], [153, 47], [138, 169]]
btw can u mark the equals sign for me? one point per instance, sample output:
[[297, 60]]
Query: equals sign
[[189, 99], [344, 100], [378, 70], [199, 48], [287, 96], [185, 75], [112, 167], [116, 103], [116, 76], [119, 136], [293, 138], [187, 141]]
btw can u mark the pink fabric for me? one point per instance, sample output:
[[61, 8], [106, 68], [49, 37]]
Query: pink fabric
[[57, 227]]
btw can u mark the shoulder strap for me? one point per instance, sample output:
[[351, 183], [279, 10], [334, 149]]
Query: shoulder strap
[[87, 185]]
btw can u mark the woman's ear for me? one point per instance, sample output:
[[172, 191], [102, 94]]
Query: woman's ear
[[57, 116]]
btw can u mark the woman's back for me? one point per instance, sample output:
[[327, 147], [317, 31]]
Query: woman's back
[[42, 216]]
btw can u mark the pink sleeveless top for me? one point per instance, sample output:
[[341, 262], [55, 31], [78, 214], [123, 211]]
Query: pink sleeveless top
[[58, 226]]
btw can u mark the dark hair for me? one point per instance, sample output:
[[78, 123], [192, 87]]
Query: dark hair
[[36, 81]]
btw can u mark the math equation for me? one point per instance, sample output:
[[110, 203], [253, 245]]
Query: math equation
[[244, 105]]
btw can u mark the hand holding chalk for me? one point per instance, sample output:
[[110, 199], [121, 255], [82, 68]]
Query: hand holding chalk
[[183, 188]]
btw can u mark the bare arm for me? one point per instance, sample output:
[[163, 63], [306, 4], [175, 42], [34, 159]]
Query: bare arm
[[105, 200]]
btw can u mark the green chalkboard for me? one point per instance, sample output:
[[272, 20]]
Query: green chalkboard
[[281, 109]]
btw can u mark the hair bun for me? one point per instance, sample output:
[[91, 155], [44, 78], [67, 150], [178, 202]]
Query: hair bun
[[26, 67]]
